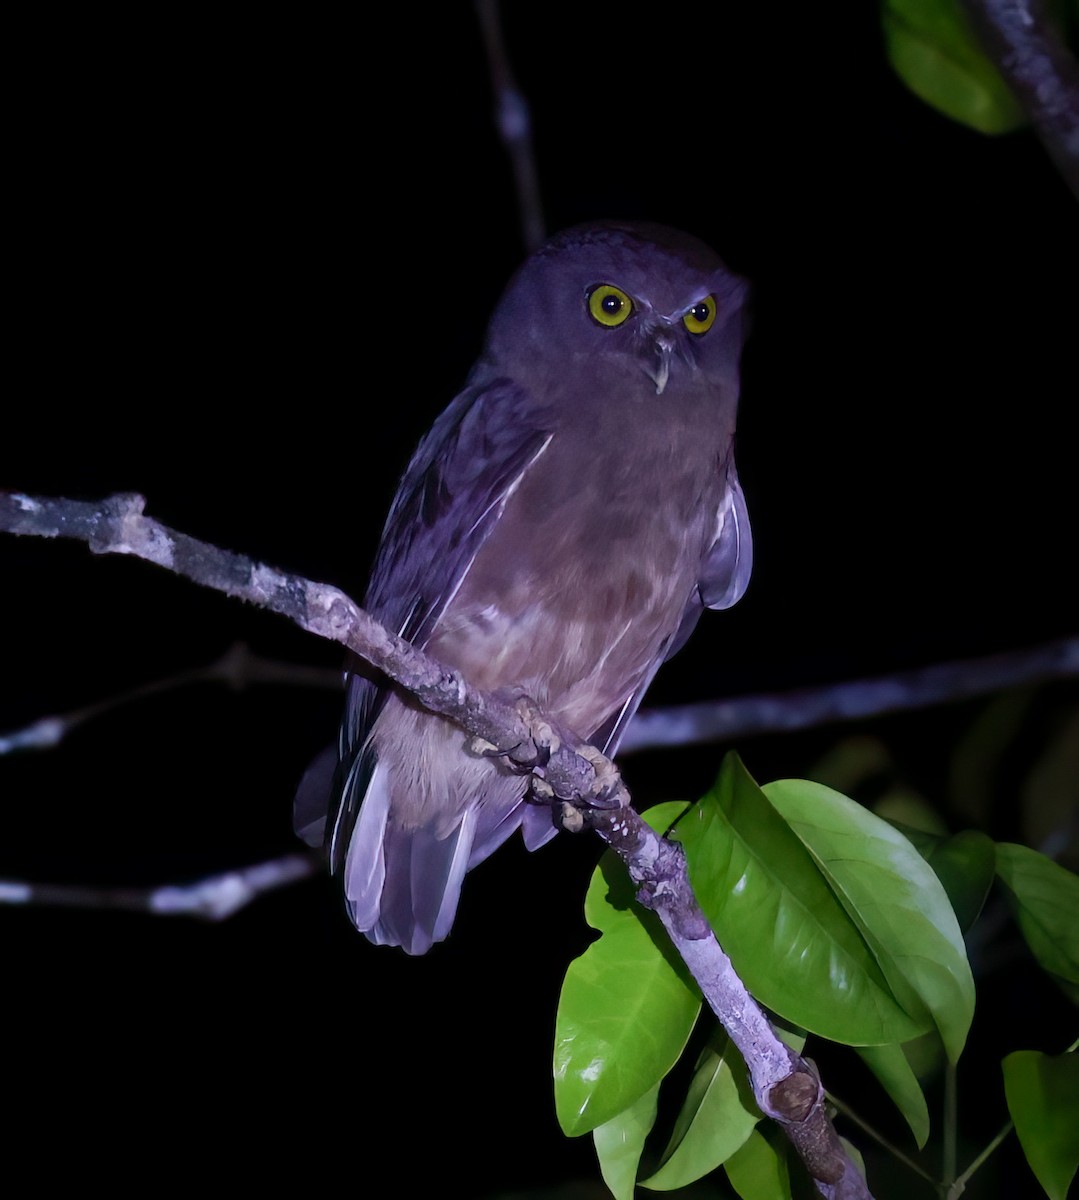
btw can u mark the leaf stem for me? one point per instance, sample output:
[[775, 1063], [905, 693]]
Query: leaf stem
[[950, 1125], [957, 1187], [881, 1139]]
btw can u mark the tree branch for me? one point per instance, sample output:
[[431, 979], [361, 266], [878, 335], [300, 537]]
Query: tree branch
[[1025, 48], [786, 1087]]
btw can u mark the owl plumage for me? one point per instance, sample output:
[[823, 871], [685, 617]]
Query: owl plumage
[[556, 534]]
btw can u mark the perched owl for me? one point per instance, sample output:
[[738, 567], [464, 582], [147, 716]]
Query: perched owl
[[557, 534]]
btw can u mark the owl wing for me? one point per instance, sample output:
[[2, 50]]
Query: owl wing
[[723, 579], [453, 492], [728, 565]]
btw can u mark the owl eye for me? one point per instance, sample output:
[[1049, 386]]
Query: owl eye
[[609, 305], [701, 316]]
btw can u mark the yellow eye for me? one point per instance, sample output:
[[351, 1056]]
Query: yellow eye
[[609, 305], [701, 316]]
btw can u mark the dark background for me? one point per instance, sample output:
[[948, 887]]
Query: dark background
[[251, 263]]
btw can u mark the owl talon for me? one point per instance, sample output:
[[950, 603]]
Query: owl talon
[[545, 741], [540, 791], [606, 790], [569, 817]]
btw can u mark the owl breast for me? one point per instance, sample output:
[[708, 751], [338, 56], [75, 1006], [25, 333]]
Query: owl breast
[[586, 575]]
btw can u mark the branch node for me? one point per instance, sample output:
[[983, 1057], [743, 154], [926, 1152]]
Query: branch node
[[793, 1098]]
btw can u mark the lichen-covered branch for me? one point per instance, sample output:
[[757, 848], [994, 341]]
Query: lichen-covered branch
[[786, 1087]]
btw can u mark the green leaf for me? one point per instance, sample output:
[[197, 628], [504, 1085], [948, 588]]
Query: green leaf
[[1045, 901], [895, 899], [718, 1115], [758, 1171], [832, 945], [964, 864], [619, 1143], [1043, 1099], [892, 1068], [628, 1003], [933, 49]]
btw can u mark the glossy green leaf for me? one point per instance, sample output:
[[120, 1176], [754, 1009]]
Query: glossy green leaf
[[964, 864], [936, 53], [892, 1068], [718, 1115], [926, 1055], [791, 938], [1043, 1099], [619, 1143], [628, 1003], [718, 1112], [895, 899], [758, 1171], [1045, 900]]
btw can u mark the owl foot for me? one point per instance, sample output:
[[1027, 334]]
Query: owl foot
[[605, 792], [541, 734], [606, 789], [531, 753]]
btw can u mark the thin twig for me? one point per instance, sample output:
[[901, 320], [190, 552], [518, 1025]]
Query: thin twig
[[514, 123], [942, 683], [238, 668], [724, 720], [213, 898]]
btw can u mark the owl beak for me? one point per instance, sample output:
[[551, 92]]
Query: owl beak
[[657, 357]]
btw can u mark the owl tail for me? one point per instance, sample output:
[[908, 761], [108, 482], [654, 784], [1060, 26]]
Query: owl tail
[[402, 885]]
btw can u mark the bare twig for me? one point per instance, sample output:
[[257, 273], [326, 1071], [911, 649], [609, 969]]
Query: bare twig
[[723, 720], [237, 668], [514, 124], [942, 683], [1024, 45], [786, 1087], [213, 898]]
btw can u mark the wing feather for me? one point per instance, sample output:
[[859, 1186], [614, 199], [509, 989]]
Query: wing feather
[[451, 495]]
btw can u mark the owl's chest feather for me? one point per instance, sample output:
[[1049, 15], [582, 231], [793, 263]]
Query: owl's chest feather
[[588, 569]]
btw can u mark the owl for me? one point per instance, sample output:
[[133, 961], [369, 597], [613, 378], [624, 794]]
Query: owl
[[556, 535]]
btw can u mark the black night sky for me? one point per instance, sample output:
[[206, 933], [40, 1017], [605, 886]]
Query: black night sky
[[251, 264]]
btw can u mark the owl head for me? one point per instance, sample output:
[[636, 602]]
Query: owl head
[[638, 302]]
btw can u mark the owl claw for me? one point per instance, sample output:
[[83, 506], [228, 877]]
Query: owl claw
[[545, 741], [607, 789], [569, 817], [540, 791]]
